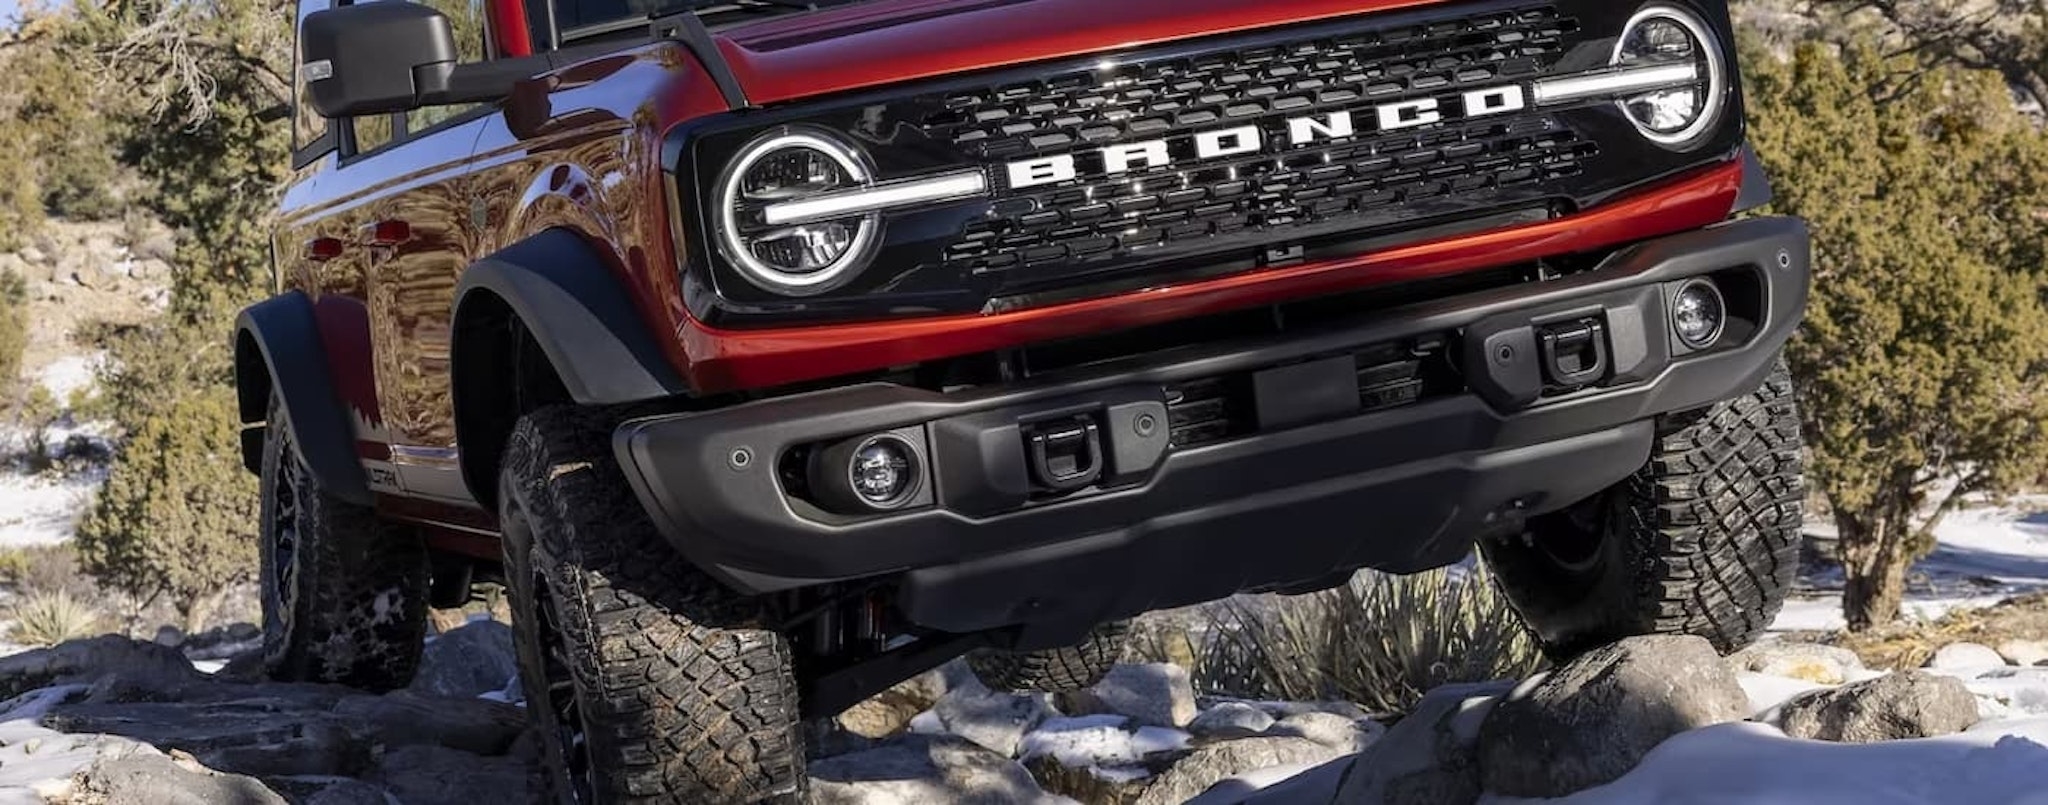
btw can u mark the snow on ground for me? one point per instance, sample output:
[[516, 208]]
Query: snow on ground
[[43, 509], [1755, 764], [1984, 555]]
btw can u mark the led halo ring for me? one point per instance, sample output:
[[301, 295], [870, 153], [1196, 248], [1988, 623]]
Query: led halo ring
[[1716, 66], [771, 277]]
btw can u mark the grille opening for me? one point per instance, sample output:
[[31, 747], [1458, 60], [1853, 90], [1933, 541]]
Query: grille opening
[[1391, 375]]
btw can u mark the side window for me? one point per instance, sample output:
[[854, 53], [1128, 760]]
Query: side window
[[311, 136], [371, 132], [467, 18]]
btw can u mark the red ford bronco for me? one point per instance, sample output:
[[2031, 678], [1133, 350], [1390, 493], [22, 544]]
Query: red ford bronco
[[771, 352]]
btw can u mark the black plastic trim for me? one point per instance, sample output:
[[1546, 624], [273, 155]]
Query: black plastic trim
[[281, 338], [1403, 490], [567, 297], [1756, 183], [689, 29]]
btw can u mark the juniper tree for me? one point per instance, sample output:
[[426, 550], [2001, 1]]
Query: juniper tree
[[1920, 366]]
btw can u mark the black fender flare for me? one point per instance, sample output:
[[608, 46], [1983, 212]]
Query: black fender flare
[[277, 346], [562, 291]]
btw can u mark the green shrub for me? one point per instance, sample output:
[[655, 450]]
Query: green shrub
[[48, 618], [13, 330], [1380, 641], [177, 518]]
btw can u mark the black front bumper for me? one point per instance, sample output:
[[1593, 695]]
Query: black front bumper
[[1301, 499]]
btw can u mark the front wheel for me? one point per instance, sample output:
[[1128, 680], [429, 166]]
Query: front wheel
[[1703, 540], [646, 680]]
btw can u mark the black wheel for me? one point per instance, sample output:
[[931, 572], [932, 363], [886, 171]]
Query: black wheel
[[344, 593], [1053, 670], [646, 680], [1703, 540]]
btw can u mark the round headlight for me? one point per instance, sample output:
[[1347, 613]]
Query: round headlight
[[793, 259], [1663, 36]]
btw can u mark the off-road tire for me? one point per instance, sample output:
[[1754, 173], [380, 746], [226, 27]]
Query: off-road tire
[[679, 693], [1053, 670], [344, 593], [1703, 540]]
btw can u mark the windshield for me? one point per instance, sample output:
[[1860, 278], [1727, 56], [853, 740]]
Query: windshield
[[566, 22]]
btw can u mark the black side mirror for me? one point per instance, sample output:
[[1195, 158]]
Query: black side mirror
[[376, 58]]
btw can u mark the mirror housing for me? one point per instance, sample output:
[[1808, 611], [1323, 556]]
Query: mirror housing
[[376, 58]]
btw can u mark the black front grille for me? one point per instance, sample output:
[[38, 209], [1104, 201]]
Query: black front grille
[[1149, 100], [1370, 183], [1103, 232]]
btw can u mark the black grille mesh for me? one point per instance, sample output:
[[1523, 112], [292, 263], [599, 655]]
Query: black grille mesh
[[1382, 180]]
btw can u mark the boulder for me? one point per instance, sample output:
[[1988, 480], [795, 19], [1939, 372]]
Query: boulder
[[404, 719], [2024, 652], [1230, 720], [1810, 662], [467, 662], [1154, 694], [1965, 657], [1211, 764], [350, 792], [921, 769], [159, 780], [1346, 735], [1429, 758], [1907, 704], [890, 712], [423, 773], [1594, 718], [996, 721], [143, 664]]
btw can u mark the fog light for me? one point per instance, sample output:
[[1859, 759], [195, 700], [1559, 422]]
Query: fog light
[[882, 472], [1698, 314]]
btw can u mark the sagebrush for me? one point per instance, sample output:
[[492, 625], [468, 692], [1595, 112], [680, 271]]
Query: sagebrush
[[1380, 641], [46, 618]]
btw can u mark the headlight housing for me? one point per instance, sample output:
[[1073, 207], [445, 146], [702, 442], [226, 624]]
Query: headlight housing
[[793, 259], [1664, 36]]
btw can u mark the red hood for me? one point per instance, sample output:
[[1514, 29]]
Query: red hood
[[889, 41]]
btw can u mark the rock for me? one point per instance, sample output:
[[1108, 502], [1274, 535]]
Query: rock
[[997, 721], [350, 792], [1811, 662], [1094, 760], [1907, 704], [1591, 720], [428, 774], [1156, 694], [1965, 657], [404, 718], [1210, 764], [467, 662], [1329, 729], [148, 665], [2024, 652], [1230, 720], [160, 780], [1429, 758], [924, 769], [168, 635], [889, 713]]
